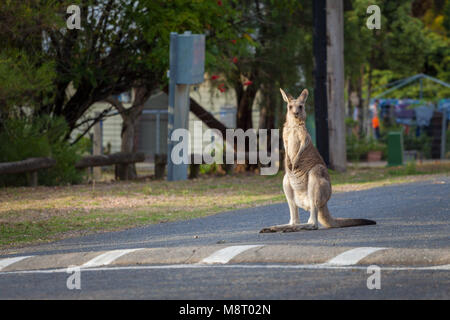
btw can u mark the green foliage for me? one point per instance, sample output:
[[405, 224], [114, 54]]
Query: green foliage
[[350, 123], [405, 43], [358, 148], [410, 141], [27, 74], [421, 143], [404, 46], [121, 45], [446, 14], [208, 168], [22, 81], [409, 169], [21, 139]]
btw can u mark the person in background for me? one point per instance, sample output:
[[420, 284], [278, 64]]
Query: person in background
[[376, 121]]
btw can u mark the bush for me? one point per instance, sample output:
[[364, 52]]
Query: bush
[[357, 149], [407, 170], [421, 143], [21, 139], [208, 168], [410, 141]]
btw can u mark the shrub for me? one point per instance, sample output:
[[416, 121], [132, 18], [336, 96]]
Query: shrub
[[44, 136], [208, 168], [357, 149], [421, 143]]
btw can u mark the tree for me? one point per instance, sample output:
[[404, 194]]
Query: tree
[[130, 119], [278, 53], [25, 74], [399, 47], [121, 45], [166, 17]]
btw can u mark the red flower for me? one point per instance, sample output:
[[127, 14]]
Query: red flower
[[233, 41], [219, 3], [214, 77], [221, 87], [247, 83], [235, 60]]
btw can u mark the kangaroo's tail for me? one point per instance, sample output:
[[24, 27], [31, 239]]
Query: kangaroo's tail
[[328, 221]]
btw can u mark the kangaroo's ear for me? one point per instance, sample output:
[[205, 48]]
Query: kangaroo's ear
[[286, 97], [303, 96]]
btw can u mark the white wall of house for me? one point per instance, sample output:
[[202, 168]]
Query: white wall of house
[[221, 104]]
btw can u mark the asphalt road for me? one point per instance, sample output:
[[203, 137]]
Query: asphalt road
[[408, 216], [229, 283]]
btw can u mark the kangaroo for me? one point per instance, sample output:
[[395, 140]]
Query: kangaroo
[[306, 183]]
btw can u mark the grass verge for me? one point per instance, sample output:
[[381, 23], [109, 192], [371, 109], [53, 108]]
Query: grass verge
[[44, 214]]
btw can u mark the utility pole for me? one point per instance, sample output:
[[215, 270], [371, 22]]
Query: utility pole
[[335, 84], [187, 66], [320, 78]]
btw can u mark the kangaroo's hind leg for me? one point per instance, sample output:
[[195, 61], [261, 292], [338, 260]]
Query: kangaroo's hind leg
[[294, 223], [293, 210], [290, 197]]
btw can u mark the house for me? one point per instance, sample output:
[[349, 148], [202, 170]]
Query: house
[[152, 129]]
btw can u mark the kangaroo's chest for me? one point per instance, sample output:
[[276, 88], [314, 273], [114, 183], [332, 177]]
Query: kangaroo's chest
[[293, 143]]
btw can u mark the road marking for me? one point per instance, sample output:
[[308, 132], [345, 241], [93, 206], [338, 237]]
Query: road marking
[[231, 266], [8, 261], [226, 254], [107, 258], [352, 256]]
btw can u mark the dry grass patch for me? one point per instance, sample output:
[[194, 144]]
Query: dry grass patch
[[42, 214]]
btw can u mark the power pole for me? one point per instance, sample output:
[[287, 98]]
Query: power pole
[[335, 84], [320, 78]]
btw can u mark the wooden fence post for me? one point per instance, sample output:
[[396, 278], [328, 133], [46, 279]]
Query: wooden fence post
[[97, 171]]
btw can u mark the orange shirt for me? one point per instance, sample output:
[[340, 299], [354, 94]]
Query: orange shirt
[[375, 122]]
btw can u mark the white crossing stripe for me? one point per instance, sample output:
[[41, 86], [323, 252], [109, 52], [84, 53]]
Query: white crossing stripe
[[226, 254], [107, 258], [235, 266], [352, 257], [8, 261]]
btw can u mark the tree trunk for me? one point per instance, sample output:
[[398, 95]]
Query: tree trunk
[[335, 85], [361, 114], [130, 120], [128, 171], [268, 111], [369, 132], [245, 98], [207, 117]]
